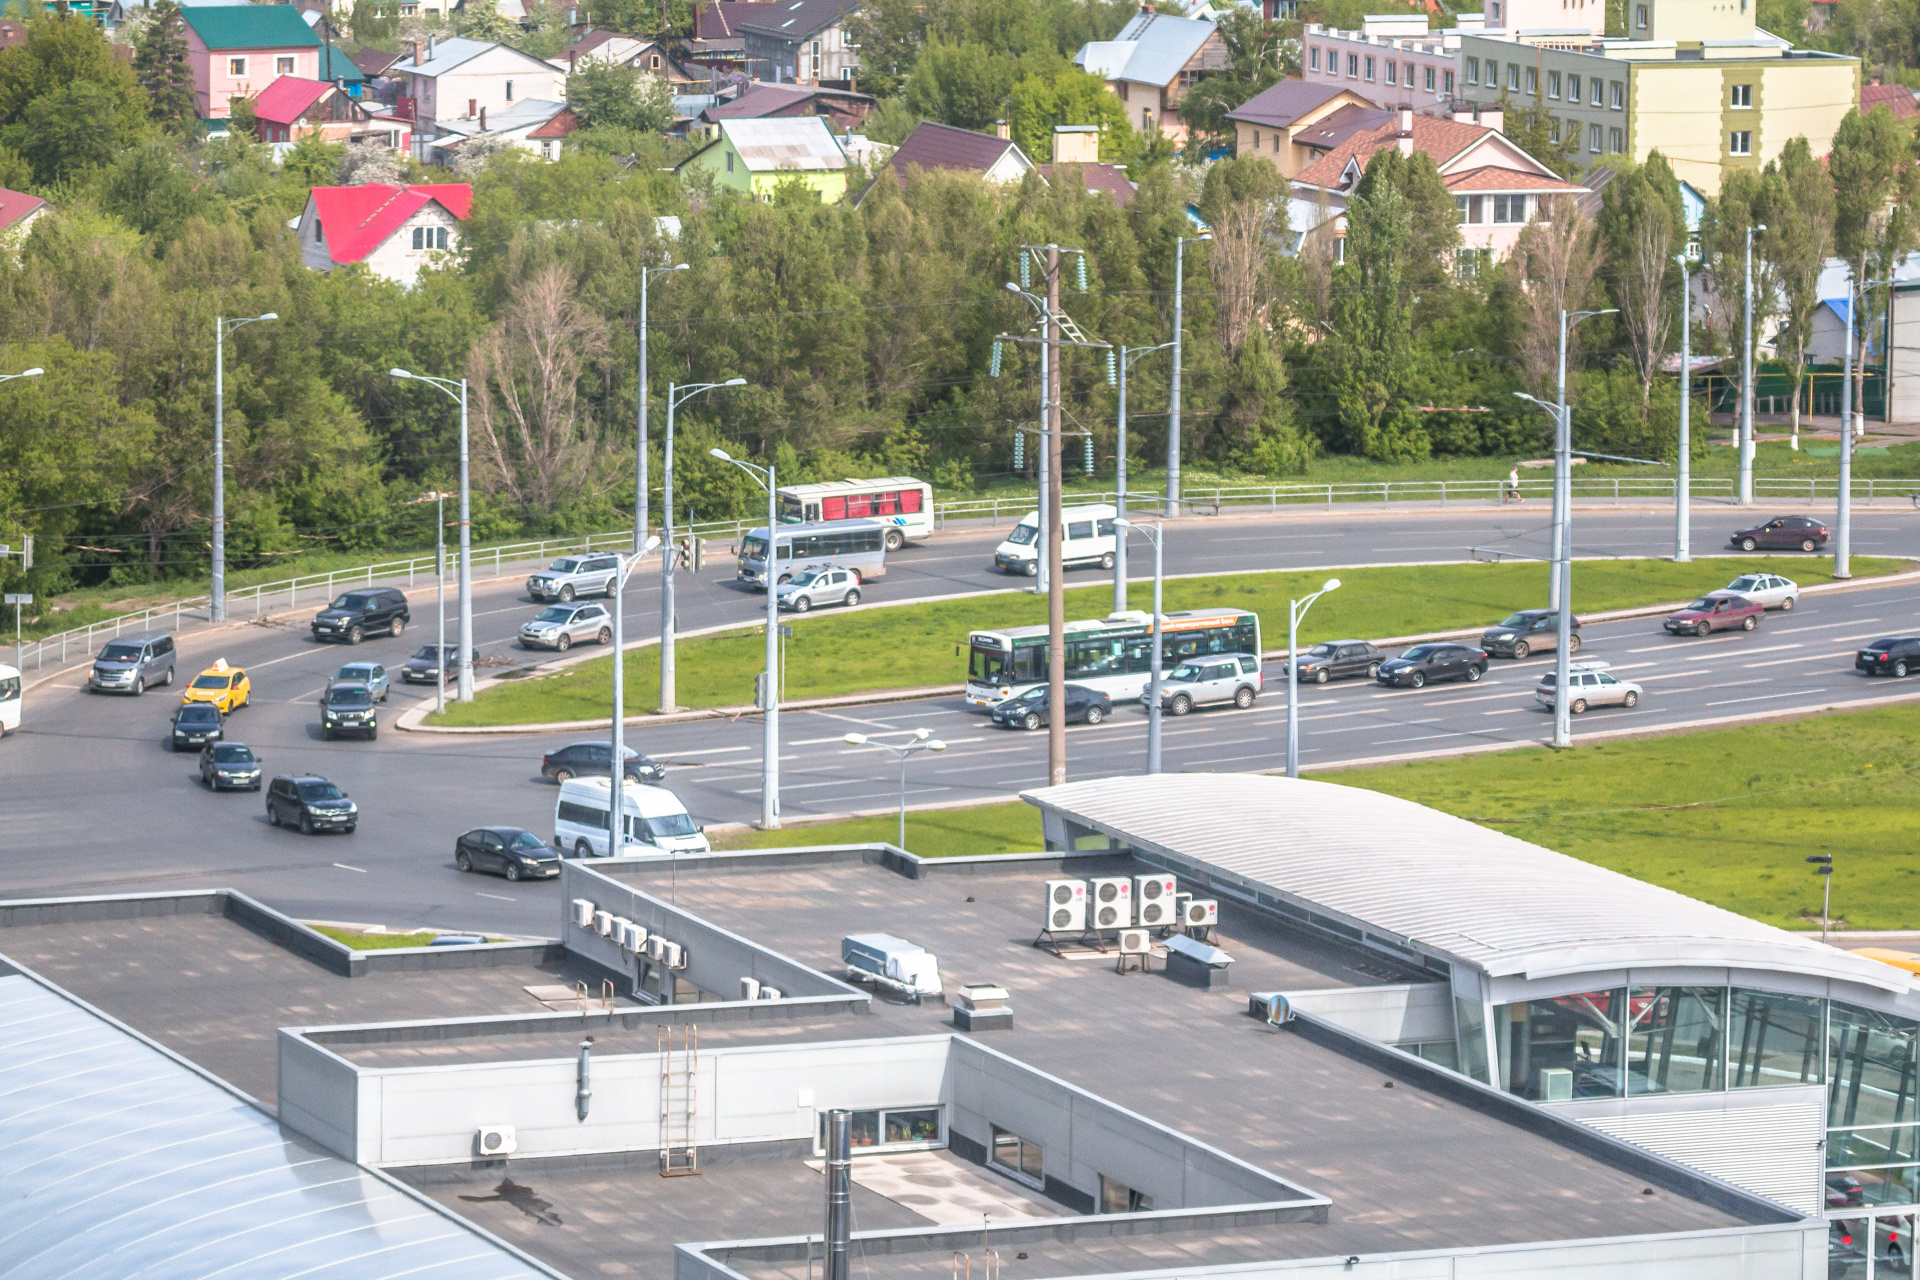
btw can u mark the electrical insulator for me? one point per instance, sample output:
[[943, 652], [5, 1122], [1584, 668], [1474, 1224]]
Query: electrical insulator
[[1080, 259], [1026, 281], [1089, 453], [1019, 450], [994, 369], [1110, 368]]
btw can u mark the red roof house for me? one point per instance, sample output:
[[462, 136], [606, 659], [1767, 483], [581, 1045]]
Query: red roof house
[[394, 230], [292, 107], [18, 211], [1896, 98]]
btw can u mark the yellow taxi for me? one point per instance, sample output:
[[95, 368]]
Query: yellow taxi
[[225, 687]]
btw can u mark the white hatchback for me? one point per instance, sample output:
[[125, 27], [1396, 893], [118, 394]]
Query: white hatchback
[[1769, 589], [1591, 686]]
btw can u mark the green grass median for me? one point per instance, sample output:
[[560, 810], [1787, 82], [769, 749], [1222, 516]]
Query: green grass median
[[834, 653], [1727, 816]]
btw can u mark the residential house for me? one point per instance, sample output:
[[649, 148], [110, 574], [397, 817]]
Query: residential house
[[998, 160], [799, 42], [1894, 97], [1497, 187], [645, 55], [716, 43], [373, 63], [1394, 59], [337, 68], [12, 32], [842, 109], [755, 156], [1693, 204], [18, 212], [1153, 63], [291, 108], [1295, 122], [235, 51], [446, 85], [1076, 151], [395, 231], [535, 125]]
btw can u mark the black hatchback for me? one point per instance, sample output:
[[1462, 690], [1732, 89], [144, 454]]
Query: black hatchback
[[195, 724], [358, 614], [1889, 656], [513, 853], [1425, 663], [1029, 710], [595, 759]]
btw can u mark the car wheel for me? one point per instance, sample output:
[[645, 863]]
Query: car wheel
[[462, 861], [399, 625], [1033, 568], [1418, 679], [562, 775], [513, 872], [564, 643], [1702, 629], [356, 635], [1573, 643], [139, 685], [1578, 705], [1322, 676], [581, 849], [306, 825], [1243, 697], [1748, 544], [373, 734], [273, 816], [1806, 544], [1180, 705], [1373, 671], [1031, 721], [169, 679], [1631, 699], [1899, 669], [1749, 622], [1474, 674], [566, 595], [895, 540], [1095, 715], [350, 829], [1786, 605], [784, 579], [801, 604], [605, 636], [1522, 649], [1106, 561], [852, 599]]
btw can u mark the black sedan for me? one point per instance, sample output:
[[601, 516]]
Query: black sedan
[[194, 725], [1889, 656], [424, 666], [1339, 660], [229, 764], [509, 851], [1428, 662], [1029, 710], [595, 759]]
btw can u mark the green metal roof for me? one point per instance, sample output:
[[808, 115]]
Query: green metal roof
[[339, 67], [250, 26]]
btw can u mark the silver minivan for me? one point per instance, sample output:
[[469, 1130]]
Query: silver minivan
[[129, 663]]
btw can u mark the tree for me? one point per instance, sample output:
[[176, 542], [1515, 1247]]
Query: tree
[[1259, 55], [1372, 351], [1427, 272], [1553, 266], [482, 20], [1071, 96], [241, 118], [1643, 223], [366, 161], [1244, 201], [963, 84], [613, 95], [160, 66], [1874, 186], [1536, 131], [70, 130], [1799, 241], [312, 161]]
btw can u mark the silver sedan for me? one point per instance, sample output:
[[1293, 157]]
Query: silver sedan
[[561, 625], [1769, 589]]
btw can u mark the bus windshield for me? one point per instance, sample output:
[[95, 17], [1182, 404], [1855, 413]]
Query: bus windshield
[[792, 511], [987, 664], [753, 548]]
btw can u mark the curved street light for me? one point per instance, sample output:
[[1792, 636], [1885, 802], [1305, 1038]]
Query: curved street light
[[456, 389], [919, 740], [770, 696], [640, 450], [1296, 610], [676, 396]]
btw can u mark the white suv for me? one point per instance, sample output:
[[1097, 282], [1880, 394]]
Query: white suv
[[1199, 681], [572, 576], [819, 584]]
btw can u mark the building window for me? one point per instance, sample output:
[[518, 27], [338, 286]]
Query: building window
[[869, 1130], [653, 63], [1573, 88], [1593, 138], [1447, 79], [1016, 1155], [1473, 71], [1617, 93], [1774, 1040], [1553, 130], [1614, 142], [432, 238], [1742, 96], [1118, 1197], [1276, 144], [1496, 13], [509, 91], [1353, 65], [1533, 82], [1393, 72], [816, 59], [1513, 76], [1509, 209], [1472, 209], [1313, 58], [1640, 16], [1256, 139], [1369, 74], [1741, 143], [729, 162], [1146, 122], [1673, 1040], [1429, 79], [237, 67], [1597, 90], [1553, 85], [317, 239], [283, 66]]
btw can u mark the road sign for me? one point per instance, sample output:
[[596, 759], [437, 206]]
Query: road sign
[[17, 598], [786, 632]]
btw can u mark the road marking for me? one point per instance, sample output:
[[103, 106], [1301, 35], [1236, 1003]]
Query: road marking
[[1772, 648], [714, 751], [1425, 737], [1827, 626], [1507, 712], [1805, 657], [1399, 693], [1875, 604], [875, 724], [495, 896], [1766, 697], [344, 867]]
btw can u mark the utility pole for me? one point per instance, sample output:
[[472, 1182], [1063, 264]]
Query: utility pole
[[1056, 586], [1048, 352], [1843, 513], [1561, 495], [1127, 356], [1173, 396], [1682, 531], [1746, 381]]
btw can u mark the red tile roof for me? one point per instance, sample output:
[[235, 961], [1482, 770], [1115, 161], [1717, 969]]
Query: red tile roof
[[1494, 178], [1108, 179], [563, 123], [358, 220], [16, 205], [1441, 139], [1897, 98], [287, 99]]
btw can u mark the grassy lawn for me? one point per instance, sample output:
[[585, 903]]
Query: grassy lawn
[[924, 644], [378, 941], [1725, 815]]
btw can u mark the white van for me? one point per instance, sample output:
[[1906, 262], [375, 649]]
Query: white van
[[1088, 540], [656, 821], [9, 699]]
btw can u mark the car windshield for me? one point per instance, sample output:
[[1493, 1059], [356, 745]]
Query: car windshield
[[355, 603], [354, 673], [212, 682], [565, 566], [120, 653], [1034, 694], [349, 698], [232, 753], [1421, 651], [1517, 620], [556, 615], [319, 791], [801, 579], [1023, 534], [1743, 584], [526, 840], [1704, 604], [1318, 651], [674, 824], [199, 713], [1185, 671], [428, 653]]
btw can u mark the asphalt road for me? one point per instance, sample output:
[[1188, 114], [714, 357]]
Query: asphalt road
[[94, 802]]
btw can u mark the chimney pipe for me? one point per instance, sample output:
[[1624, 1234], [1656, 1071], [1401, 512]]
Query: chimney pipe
[[419, 53], [430, 40], [839, 1203], [483, 119], [1404, 139]]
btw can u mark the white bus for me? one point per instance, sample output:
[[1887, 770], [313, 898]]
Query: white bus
[[859, 545], [1112, 654], [903, 504], [9, 699]]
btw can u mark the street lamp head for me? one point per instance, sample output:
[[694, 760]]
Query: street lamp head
[[271, 315], [1012, 287], [678, 266], [855, 739], [399, 373], [734, 382], [1333, 584], [720, 454], [29, 373], [936, 745], [921, 735], [652, 542]]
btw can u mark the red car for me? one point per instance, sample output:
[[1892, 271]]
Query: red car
[[1715, 613]]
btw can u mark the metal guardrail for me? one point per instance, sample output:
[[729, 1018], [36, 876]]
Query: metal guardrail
[[79, 641]]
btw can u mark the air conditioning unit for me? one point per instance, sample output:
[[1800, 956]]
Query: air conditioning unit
[[637, 938], [622, 932], [1110, 900], [655, 945], [1201, 913], [672, 956], [1180, 901], [749, 988], [1135, 942], [494, 1140], [603, 923], [1153, 900], [582, 912], [769, 993], [1066, 905]]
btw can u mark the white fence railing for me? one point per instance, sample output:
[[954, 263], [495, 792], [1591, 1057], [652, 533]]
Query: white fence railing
[[496, 561]]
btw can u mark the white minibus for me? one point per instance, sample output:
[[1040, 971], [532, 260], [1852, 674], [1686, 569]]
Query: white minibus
[[9, 699], [1088, 540], [656, 821], [859, 545]]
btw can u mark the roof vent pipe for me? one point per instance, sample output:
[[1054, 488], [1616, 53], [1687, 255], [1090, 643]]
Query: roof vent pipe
[[419, 53], [430, 40], [1405, 137], [583, 1087], [839, 1191]]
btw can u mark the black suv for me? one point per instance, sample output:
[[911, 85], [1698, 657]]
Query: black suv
[[229, 764], [311, 802], [1529, 631], [595, 759], [357, 613], [348, 708], [195, 724]]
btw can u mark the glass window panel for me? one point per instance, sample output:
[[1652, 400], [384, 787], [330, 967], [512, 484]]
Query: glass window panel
[[1879, 1145], [1774, 1039], [1872, 1187], [866, 1129], [1846, 1248], [1873, 1064], [1562, 1048], [914, 1126], [1677, 1039], [1472, 1027]]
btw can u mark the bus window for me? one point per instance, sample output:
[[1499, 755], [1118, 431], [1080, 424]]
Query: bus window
[[859, 505], [833, 508], [886, 504], [791, 512], [1029, 662], [784, 548], [909, 502], [986, 665]]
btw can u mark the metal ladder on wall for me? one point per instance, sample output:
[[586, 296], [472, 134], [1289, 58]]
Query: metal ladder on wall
[[679, 1100]]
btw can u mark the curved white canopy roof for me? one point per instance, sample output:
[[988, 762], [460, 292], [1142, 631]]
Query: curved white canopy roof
[[1456, 888]]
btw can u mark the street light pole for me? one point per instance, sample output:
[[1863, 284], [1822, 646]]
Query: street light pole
[[1296, 610], [1127, 356], [1843, 512], [1173, 397], [447, 385], [1155, 532], [640, 452], [616, 809], [439, 501], [669, 553], [920, 740], [1746, 380], [770, 695], [217, 594], [1682, 499]]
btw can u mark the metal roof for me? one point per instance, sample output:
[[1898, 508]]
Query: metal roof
[[1162, 47], [118, 1160], [1452, 886], [803, 144], [249, 27]]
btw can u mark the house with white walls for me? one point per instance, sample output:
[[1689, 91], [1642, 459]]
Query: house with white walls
[[396, 231], [455, 80]]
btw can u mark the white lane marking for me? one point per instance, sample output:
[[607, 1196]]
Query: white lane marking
[[1507, 712], [715, 751], [1805, 657], [497, 897], [1875, 604], [1825, 626], [1766, 697], [1772, 648], [344, 867], [1425, 737], [1401, 693], [874, 724]]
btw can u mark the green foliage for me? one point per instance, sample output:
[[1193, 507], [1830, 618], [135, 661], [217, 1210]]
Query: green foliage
[[312, 161], [613, 95], [892, 34], [375, 24], [1260, 54], [241, 118], [1533, 130], [160, 66], [482, 20], [1070, 96]]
